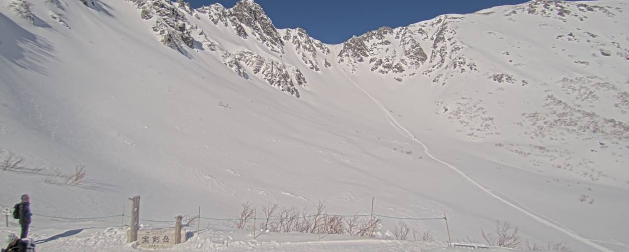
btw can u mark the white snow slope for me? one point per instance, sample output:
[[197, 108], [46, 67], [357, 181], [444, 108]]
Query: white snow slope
[[516, 114]]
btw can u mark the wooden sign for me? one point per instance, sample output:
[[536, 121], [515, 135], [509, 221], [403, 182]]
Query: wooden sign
[[6, 213], [157, 238]]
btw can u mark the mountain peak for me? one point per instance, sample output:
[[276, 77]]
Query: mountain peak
[[251, 14]]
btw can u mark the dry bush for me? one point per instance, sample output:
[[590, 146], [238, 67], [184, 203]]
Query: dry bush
[[78, 177], [551, 246], [287, 220], [317, 218], [401, 231], [333, 225], [290, 219], [352, 225], [245, 215], [372, 225], [506, 236], [11, 162], [559, 246], [269, 213], [426, 236], [191, 220], [304, 223], [362, 226], [532, 246]]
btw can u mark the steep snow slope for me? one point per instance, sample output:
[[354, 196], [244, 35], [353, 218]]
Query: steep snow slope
[[516, 113]]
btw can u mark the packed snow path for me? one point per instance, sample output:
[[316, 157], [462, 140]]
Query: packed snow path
[[404, 132]]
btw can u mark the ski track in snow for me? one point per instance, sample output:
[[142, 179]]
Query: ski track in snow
[[404, 132]]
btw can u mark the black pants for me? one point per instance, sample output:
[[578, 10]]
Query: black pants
[[24, 231]]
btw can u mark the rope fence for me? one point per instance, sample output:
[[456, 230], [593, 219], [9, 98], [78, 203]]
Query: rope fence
[[237, 219], [310, 223]]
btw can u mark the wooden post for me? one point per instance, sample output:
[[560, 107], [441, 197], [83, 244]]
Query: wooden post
[[135, 219], [254, 223], [178, 229], [318, 228], [448, 228], [6, 213], [371, 220], [122, 221], [199, 222]]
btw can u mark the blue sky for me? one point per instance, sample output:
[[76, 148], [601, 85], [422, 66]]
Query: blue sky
[[335, 21]]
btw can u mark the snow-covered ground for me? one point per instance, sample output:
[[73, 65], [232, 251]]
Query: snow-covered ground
[[95, 238], [516, 114]]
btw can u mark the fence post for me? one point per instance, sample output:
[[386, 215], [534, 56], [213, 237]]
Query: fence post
[[6, 213], [448, 228], [199, 222], [135, 219], [318, 227], [371, 220], [254, 223], [178, 229], [122, 221]]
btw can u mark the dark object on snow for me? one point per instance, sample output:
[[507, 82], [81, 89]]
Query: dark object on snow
[[16, 245], [16, 211], [25, 214]]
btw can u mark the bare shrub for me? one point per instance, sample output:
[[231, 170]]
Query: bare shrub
[[317, 218], [11, 162], [304, 222], [245, 215], [53, 178], [532, 246], [426, 236], [363, 226], [293, 220], [372, 225], [269, 214], [401, 231], [334, 225], [551, 246], [78, 177], [290, 219], [559, 246], [190, 220], [505, 236], [352, 225]]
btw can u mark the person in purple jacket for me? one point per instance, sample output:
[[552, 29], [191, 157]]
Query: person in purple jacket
[[25, 215]]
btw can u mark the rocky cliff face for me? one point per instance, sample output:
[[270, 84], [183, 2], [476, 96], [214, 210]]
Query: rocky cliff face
[[311, 51], [171, 24], [427, 48], [431, 49], [248, 21], [399, 52], [247, 18]]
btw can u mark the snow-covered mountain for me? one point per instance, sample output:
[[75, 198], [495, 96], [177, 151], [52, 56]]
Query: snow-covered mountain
[[514, 113]]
